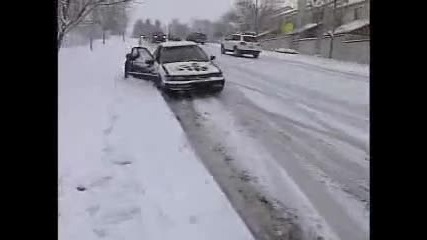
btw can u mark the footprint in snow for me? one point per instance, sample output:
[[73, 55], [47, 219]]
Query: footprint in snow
[[101, 233], [107, 149], [119, 216], [193, 220], [93, 210], [108, 130]]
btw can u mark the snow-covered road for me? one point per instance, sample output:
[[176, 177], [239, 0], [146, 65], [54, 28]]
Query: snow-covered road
[[299, 126]]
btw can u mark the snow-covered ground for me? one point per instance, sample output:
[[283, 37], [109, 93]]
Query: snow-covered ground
[[126, 169], [287, 141]]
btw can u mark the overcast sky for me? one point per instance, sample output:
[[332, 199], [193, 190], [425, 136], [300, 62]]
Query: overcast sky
[[184, 10]]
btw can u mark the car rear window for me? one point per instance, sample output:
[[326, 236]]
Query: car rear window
[[249, 39]]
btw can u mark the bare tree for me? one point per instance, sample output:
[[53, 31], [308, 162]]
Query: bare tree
[[178, 29], [254, 15], [72, 12]]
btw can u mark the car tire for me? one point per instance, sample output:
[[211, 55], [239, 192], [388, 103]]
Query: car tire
[[256, 55], [126, 73], [217, 91], [222, 49], [236, 51]]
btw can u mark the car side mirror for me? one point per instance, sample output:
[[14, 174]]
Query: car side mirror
[[212, 58], [149, 61]]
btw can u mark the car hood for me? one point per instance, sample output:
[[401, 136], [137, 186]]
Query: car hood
[[190, 68]]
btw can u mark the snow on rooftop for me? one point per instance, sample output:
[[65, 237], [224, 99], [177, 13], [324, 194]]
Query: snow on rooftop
[[306, 27], [351, 26], [177, 44]]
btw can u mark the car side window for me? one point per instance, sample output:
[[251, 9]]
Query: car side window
[[143, 55], [235, 37], [134, 52]]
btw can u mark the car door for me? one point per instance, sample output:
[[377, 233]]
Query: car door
[[227, 43], [129, 62], [157, 65], [140, 66], [234, 41]]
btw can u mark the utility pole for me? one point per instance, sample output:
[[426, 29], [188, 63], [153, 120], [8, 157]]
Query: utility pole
[[256, 17], [124, 24], [331, 44]]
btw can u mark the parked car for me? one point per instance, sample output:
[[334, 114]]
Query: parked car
[[142, 39], [174, 38], [184, 66], [241, 44], [158, 37], [140, 63], [197, 37]]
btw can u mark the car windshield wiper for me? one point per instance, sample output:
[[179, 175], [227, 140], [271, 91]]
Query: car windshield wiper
[[196, 60]]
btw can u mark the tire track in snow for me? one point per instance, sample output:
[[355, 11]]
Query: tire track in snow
[[266, 217]]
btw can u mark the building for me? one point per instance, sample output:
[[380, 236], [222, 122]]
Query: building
[[315, 31], [317, 17]]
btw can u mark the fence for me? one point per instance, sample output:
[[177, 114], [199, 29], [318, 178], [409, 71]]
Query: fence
[[345, 47]]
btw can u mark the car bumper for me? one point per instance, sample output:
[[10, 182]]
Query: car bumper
[[195, 85], [249, 51], [147, 76]]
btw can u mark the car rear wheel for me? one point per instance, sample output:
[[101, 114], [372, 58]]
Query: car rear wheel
[[236, 51], [222, 49]]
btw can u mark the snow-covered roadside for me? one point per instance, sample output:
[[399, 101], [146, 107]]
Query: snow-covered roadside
[[315, 61], [126, 170]]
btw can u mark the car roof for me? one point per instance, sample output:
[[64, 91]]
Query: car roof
[[178, 44]]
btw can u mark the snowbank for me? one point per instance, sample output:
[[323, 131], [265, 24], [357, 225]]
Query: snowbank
[[126, 170], [325, 63], [286, 50]]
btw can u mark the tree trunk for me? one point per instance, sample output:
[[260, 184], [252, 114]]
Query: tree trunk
[[90, 43], [123, 36], [59, 40], [103, 36]]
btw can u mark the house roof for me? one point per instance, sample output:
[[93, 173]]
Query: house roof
[[351, 26]]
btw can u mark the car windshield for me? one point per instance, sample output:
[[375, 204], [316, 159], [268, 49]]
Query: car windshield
[[200, 35], [249, 39], [183, 54]]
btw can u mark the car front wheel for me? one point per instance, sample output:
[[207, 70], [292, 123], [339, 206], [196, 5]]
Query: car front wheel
[[126, 73], [256, 55], [217, 91]]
